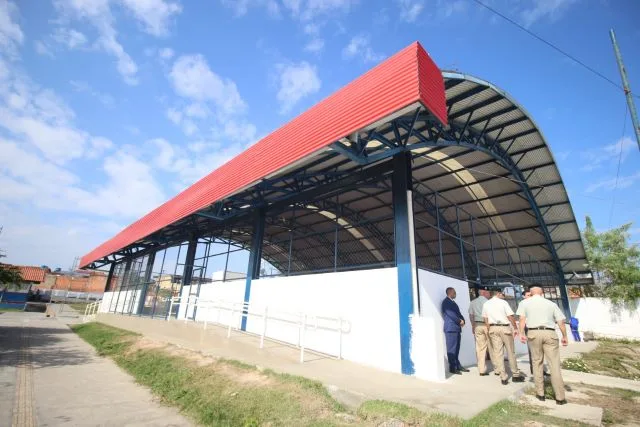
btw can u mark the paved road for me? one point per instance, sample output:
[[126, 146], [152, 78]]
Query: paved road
[[50, 377]]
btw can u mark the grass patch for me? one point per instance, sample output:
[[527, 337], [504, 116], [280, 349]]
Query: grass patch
[[216, 391], [615, 358], [508, 413], [378, 411], [10, 310], [619, 405], [79, 306], [227, 392]]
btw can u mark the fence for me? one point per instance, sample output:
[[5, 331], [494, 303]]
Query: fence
[[236, 312]]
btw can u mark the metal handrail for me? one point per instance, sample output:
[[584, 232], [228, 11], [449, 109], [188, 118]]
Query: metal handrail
[[91, 310], [244, 309]]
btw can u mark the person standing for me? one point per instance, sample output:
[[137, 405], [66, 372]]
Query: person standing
[[540, 316], [480, 331], [453, 323], [501, 323]]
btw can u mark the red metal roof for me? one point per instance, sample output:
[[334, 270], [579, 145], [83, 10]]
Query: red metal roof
[[407, 77], [32, 274]]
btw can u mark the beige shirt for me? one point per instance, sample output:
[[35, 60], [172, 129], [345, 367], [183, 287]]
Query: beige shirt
[[497, 311], [475, 309], [540, 312]]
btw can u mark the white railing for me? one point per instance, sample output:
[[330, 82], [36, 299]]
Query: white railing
[[239, 310], [91, 310]]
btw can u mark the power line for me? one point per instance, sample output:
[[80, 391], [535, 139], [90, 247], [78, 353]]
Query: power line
[[613, 201], [552, 46]]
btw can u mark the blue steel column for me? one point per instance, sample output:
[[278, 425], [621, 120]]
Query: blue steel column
[[405, 254], [188, 270], [255, 256]]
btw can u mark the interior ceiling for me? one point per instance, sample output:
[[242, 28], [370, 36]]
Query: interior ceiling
[[443, 161]]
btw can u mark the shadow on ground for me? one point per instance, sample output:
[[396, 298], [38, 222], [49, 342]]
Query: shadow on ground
[[41, 342]]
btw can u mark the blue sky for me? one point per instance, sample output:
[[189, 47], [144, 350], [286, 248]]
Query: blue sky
[[110, 107]]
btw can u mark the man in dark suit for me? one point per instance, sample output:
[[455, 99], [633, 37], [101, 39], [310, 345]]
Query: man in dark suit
[[453, 323]]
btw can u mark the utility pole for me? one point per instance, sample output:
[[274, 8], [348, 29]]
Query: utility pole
[[626, 88]]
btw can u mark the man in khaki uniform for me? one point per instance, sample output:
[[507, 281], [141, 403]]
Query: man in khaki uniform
[[500, 321], [540, 316], [480, 331]]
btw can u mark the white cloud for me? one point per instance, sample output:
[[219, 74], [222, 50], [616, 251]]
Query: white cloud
[[155, 15], [11, 35], [69, 38], [610, 183], [295, 81], [43, 49], [192, 78], [410, 9], [308, 10], [241, 7], [84, 87], [171, 158], [98, 13], [174, 115], [609, 154], [360, 46], [315, 45], [166, 53], [98, 146], [544, 9]]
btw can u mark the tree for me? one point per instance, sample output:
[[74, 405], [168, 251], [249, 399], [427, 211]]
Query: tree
[[614, 262], [9, 274]]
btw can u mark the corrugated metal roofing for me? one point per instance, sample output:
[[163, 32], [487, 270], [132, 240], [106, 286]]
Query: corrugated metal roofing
[[408, 77]]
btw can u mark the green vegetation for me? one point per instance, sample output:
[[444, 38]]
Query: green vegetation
[[613, 358], [10, 309], [227, 392], [615, 263], [619, 405], [79, 306], [378, 411]]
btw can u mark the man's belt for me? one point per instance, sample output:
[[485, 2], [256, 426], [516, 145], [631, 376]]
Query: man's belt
[[498, 324], [541, 328], [478, 321]]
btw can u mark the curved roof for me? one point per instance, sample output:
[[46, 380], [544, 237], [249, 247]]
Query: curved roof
[[478, 150]]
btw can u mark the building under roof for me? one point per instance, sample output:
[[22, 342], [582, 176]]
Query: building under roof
[[406, 167]]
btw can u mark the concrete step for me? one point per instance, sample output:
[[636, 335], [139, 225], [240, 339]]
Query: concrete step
[[571, 411]]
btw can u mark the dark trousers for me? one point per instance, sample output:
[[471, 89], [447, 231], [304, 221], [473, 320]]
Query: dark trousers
[[453, 349], [576, 335]]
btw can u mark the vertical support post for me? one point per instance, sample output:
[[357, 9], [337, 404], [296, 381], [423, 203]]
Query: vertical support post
[[146, 282], [335, 242], [493, 256], [255, 256], [125, 279], [475, 251], [464, 271], [630, 104], [439, 234], [405, 254], [110, 277], [187, 274], [226, 260]]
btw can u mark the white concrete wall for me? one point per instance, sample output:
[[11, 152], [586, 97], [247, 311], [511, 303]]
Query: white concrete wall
[[427, 331], [599, 316], [367, 299], [127, 301]]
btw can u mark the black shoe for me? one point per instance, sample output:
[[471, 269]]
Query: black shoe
[[540, 398], [561, 402], [517, 379], [456, 372], [484, 375], [496, 373], [463, 370], [546, 374], [504, 382]]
